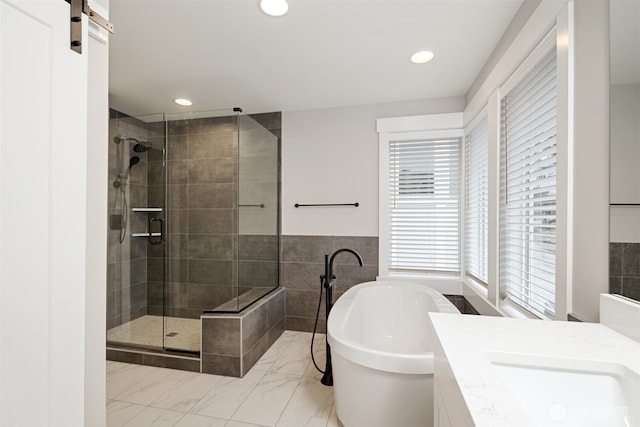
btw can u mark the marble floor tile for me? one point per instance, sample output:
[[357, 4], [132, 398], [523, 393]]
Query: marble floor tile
[[271, 355], [282, 389], [319, 341], [320, 356], [187, 393], [191, 420], [113, 367], [309, 406], [241, 424], [118, 413], [144, 384], [267, 400], [294, 359], [305, 337], [154, 417], [123, 379], [227, 396], [333, 418], [288, 335], [312, 372]]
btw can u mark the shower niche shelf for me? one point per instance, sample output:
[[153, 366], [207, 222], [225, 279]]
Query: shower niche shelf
[[147, 209]]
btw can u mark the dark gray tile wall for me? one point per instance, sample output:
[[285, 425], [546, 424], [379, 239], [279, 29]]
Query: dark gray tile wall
[[624, 269], [262, 328], [233, 343], [258, 261], [202, 220], [302, 265], [200, 217]]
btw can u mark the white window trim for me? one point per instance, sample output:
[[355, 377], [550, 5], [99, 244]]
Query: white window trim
[[428, 126], [482, 114], [558, 18]]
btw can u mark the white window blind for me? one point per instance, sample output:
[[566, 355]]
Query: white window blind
[[528, 190], [424, 205], [477, 202]]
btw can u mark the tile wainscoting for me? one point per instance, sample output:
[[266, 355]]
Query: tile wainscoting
[[624, 269], [302, 264], [233, 343]]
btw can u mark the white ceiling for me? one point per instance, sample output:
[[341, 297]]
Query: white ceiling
[[322, 54]]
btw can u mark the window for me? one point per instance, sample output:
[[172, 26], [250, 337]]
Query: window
[[412, 181], [528, 190], [424, 205], [477, 202]]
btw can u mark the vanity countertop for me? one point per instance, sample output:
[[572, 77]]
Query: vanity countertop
[[470, 345]]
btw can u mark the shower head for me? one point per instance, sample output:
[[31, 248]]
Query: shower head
[[142, 147]]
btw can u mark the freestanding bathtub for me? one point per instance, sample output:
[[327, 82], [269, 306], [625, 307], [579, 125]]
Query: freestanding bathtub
[[382, 351]]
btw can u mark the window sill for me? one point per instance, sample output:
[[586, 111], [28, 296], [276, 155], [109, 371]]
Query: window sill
[[478, 296], [446, 285], [479, 288], [510, 310]]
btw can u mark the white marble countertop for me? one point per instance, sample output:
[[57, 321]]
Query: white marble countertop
[[470, 342]]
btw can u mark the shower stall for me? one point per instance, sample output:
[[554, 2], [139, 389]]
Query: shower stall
[[194, 223]]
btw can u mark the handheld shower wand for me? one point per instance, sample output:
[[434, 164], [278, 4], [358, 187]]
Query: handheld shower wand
[[123, 177], [132, 162]]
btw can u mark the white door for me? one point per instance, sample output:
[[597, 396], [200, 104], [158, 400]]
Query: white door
[[43, 98]]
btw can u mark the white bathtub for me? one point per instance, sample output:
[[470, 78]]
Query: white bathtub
[[382, 352]]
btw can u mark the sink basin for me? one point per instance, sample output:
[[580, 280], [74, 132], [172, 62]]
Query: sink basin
[[571, 392]]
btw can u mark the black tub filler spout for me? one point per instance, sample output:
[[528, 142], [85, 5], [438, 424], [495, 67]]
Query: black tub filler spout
[[327, 281]]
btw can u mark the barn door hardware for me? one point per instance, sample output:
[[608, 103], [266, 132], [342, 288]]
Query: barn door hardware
[[78, 7]]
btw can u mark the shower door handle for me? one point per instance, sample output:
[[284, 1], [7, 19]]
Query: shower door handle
[[160, 239]]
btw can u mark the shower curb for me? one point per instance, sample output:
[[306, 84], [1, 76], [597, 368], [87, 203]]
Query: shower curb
[[160, 360]]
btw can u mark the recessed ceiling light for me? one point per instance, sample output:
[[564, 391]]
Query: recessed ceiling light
[[182, 101], [274, 7], [422, 57]]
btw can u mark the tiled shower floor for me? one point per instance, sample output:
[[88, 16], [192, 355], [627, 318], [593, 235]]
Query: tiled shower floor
[[179, 333], [282, 390]]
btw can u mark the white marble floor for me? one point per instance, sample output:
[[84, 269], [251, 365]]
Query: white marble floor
[[282, 390]]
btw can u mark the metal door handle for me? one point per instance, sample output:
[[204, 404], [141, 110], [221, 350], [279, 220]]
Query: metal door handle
[[160, 239]]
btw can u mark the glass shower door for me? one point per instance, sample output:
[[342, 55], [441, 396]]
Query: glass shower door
[[135, 270]]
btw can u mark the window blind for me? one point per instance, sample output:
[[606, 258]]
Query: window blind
[[528, 190], [477, 202], [424, 205]]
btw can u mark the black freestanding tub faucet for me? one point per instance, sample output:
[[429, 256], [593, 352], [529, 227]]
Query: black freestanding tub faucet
[[328, 279]]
